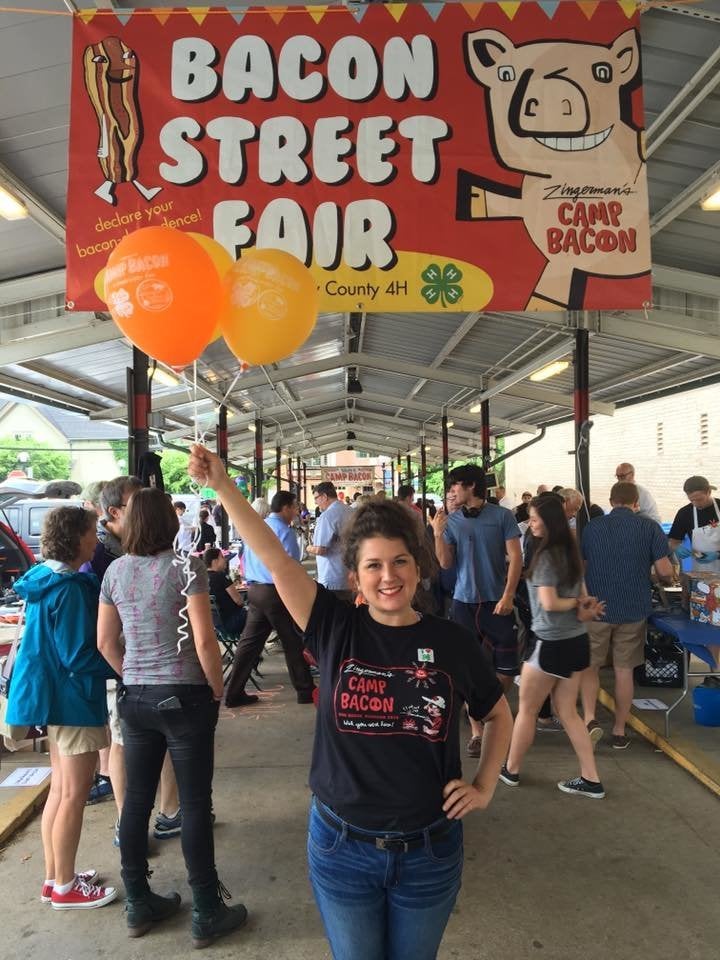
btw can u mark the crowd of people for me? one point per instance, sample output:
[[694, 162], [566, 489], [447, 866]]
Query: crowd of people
[[413, 624]]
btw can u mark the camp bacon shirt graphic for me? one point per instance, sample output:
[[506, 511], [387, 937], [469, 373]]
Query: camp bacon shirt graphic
[[415, 700]]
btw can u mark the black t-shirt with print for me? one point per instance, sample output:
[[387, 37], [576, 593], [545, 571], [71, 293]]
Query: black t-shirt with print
[[683, 522], [387, 738]]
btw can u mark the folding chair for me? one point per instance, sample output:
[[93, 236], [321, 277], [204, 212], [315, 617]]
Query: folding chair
[[228, 642]]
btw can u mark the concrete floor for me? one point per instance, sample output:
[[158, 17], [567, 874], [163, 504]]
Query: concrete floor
[[633, 877]]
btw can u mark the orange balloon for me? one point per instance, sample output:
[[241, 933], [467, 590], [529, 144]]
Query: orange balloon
[[270, 305], [163, 291], [222, 260]]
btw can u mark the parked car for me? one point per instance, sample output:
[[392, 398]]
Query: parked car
[[24, 503]]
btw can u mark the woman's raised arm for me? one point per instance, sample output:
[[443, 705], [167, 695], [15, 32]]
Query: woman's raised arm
[[297, 590]]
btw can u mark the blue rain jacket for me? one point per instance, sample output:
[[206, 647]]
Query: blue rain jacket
[[59, 675]]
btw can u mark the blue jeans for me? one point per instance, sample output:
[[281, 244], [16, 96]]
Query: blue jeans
[[378, 904], [188, 733]]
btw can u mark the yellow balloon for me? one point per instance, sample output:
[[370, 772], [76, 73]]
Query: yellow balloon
[[270, 305], [222, 260], [99, 284]]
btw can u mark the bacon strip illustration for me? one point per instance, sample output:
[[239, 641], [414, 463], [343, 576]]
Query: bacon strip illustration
[[111, 80]]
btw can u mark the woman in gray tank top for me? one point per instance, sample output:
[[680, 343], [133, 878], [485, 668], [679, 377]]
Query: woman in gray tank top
[[172, 684]]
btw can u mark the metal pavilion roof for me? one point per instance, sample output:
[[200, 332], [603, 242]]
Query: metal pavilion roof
[[412, 367]]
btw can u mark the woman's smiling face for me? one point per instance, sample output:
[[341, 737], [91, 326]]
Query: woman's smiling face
[[387, 575]]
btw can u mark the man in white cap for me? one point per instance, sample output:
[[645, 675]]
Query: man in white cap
[[625, 473], [700, 521]]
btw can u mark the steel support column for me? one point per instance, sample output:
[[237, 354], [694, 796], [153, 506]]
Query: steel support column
[[221, 437], [408, 478], [582, 423], [298, 474], [138, 391], [485, 432], [423, 484], [259, 475], [278, 467], [445, 454]]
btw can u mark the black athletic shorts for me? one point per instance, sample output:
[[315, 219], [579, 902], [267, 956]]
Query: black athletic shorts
[[561, 658]]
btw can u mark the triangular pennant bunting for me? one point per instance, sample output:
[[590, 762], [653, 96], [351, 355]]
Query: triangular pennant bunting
[[198, 14], [237, 15], [275, 15], [588, 7], [359, 10], [628, 7], [550, 6], [161, 15], [86, 15], [510, 9], [123, 17], [434, 9], [472, 9], [317, 13], [396, 10]]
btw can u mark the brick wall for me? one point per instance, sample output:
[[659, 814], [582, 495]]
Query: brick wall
[[667, 440]]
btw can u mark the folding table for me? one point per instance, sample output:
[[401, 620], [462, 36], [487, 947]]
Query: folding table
[[694, 638]]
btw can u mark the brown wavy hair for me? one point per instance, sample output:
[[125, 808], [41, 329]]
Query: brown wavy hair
[[150, 523], [559, 541], [62, 531], [393, 521]]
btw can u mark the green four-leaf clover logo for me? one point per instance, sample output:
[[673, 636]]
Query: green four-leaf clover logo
[[442, 285]]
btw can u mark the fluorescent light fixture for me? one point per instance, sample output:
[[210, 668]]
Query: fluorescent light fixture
[[451, 423], [251, 427], [476, 408], [551, 370], [712, 202], [10, 207], [165, 378]]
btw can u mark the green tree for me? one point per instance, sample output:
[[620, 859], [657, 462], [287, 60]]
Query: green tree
[[174, 469], [120, 451], [45, 462]]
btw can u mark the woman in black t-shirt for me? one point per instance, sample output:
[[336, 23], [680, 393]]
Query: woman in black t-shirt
[[385, 837]]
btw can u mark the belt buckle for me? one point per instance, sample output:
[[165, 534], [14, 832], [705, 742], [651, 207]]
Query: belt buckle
[[392, 845]]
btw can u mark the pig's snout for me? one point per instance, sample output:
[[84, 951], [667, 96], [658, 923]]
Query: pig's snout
[[548, 106]]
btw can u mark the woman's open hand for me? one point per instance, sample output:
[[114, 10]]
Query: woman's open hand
[[462, 798]]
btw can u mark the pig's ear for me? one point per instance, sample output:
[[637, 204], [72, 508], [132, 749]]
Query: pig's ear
[[626, 51], [485, 50]]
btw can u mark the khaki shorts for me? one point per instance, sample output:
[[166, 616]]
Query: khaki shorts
[[72, 741], [626, 641], [116, 736]]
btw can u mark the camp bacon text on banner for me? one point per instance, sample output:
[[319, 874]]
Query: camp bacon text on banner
[[348, 474], [417, 157]]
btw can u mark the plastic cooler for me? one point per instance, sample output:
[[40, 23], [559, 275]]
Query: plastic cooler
[[706, 703]]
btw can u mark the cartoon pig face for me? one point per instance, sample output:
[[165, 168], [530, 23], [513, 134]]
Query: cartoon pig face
[[549, 101]]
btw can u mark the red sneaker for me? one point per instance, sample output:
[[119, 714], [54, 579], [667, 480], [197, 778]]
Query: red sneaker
[[87, 876], [83, 896]]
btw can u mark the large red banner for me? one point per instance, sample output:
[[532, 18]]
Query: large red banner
[[460, 156]]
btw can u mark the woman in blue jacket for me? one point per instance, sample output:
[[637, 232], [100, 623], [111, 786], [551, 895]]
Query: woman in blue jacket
[[59, 680]]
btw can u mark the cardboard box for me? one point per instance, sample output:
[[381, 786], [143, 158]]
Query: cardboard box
[[705, 597]]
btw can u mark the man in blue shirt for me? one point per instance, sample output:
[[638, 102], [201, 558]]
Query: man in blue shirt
[[267, 612], [620, 550], [482, 541], [331, 571]]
